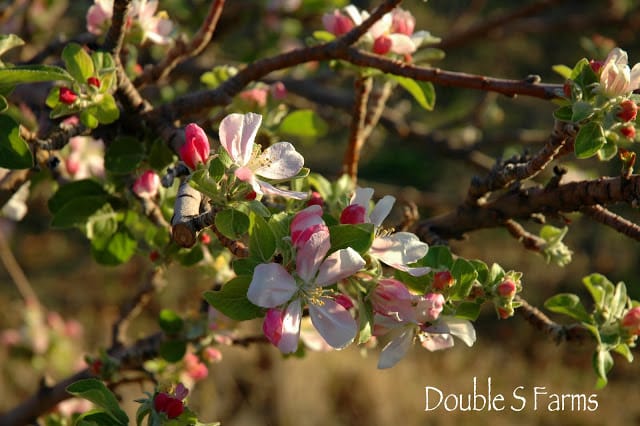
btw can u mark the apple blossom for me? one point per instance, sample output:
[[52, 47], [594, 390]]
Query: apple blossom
[[196, 148], [280, 161], [86, 157], [273, 286], [305, 223], [98, 16], [396, 250], [391, 298], [616, 79], [429, 307], [147, 184]]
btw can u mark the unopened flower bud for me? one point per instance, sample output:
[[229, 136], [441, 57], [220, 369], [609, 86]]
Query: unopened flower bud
[[212, 355], [195, 149], [344, 300], [205, 238], [272, 325], [429, 307], [171, 406], [147, 184], [251, 195], [566, 89], [94, 81], [631, 321], [596, 66], [505, 313], [507, 288], [442, 280], [628, 110], [336, 23], [403, 22], [628, 132], [278, 90], [154, 255], [67, 96], [382, 45], [353, 214], [315, 199]]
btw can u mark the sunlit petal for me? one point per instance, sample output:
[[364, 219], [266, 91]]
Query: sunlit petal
[[334, 323], [271, 285]]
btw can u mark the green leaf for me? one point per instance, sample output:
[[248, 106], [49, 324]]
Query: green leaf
[[563, 113], [94, 417], [22, 74], [106, 111], [173, 350], [602, 364], [216, 169], [218, 75], [359, 237], [601, 289], [245, 266], [589, 140], [625, 351], [581, 111], [468, 310], [74, 190], [95, 391], [4, 105], [608, 150], [8, 42], [160, 156], [303, 123], [78, 62], [232, 300], [77, 211], [87, 116], [114, 249], [365, 320], [170, 322], [189, 257], [438, 257], [482, 269], [262, 241], [618, 301], [232, 223], [563, 70], [124, 155], [568, 304], [14, 151], [422, 91], [465, 275]]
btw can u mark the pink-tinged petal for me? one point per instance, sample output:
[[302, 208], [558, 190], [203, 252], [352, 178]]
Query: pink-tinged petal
[[635, 77], [399, 249], [617, 56], [303, 220], [403, 21], [333, 322], [311, 338], [397, 348], [391, 298], [402, 44], [272, 325], [310, 255], [281, 161], [147, 184], [437, 342], [271, 286], [362, 197], [237, 134], [355, 14], [460, 328], [291, 328], [381, 210], [382, 26], [267, 188], [339, 265], [417, 271], [337, 23], [429, 307]]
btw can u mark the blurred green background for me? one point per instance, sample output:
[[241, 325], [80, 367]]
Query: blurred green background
[[256, 385]]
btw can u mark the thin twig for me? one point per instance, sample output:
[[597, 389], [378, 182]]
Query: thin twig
[[363, 87], [607, 217], [559, 333], [528, 240], [16, 273]]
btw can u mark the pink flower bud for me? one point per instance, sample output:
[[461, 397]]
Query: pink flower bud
[[278, 90], [505, 313], [195, 149], [596, 66], [442, 280], [344, 300], [272, 325], [403, 22], [147, 184], [67, 96], [391, 298], [627, 110], [315, 199], [336, 23], [628, 132], [256, 96], [353, 214], [171, 406], [212, 355], [566, 89], [507, 288], [194, 367], [382, 45], [205, 238], [631, 321], [93, 81], [429, 307]]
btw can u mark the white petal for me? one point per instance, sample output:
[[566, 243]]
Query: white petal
[[463, 330], [397, 348], [635, 77], [291, 328], [382, 26], [267, 188], [333, 322], [271, 286], [237, 133], [281, 160], [311, 253], [402, 44], [362, 197], [400, 248], [354, 14], [381, 210], [437, 342], [339, 265]]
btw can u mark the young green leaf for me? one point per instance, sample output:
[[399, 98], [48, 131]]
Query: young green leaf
[[232, 300], [23, 74], [359, 237], [589, 140], [14, 151], [303, 123], [124, 155], [232, 223], [422, 91], [95, 391], [568, 304], [78, 62], [262, 240]]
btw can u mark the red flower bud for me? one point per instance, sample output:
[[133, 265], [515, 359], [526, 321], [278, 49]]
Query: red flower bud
[[596, 66], [628, 132], [442, 280], [205, 238], [505, 313], [631, 321], [315, 199], [67, 96], [195, 149], [344, 300], [154, 255], [353, 214], [93, 81], [171, 406], [250, 196], [382, 45], [507, 288], [566, 89], [628, 110]]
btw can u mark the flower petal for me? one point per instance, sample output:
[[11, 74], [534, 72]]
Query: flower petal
[[334, 323], [397, 348], [237, 133], [436, 342], [267, 188], [271, 286], [303, 220], [402, 44], [381, 210], [460, 328], [339, 265], [291, 328], [362, 197], [281, 161], [311, 253], [400, 249]]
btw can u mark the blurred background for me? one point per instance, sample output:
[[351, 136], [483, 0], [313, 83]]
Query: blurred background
[[465, 133]]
